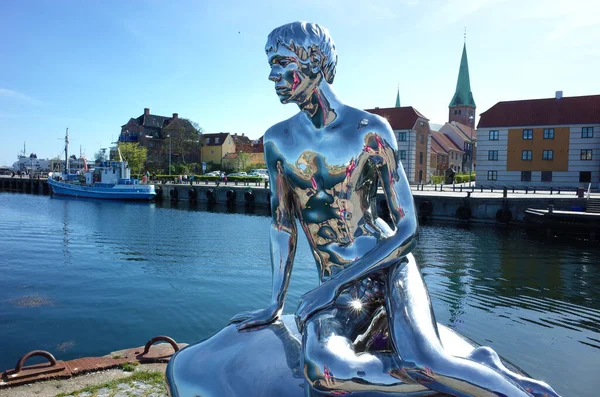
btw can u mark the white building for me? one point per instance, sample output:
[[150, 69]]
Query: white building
[[540, 142]]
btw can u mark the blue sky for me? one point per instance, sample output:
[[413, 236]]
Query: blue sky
[[91, 65]]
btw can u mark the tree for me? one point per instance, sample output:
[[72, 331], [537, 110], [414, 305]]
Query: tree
[[242, 160], [99, 155], [185, 139], [134, 154]]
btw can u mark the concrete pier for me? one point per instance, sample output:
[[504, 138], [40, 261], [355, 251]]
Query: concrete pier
[[456, 206]]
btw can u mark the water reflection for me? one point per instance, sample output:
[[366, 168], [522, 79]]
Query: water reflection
[[119, 273]]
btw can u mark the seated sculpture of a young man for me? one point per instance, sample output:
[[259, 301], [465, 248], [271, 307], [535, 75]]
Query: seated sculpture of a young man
[[369, 325]]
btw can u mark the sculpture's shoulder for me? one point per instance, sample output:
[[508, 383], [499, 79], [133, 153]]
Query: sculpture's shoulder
[[280, 131], [369, 123]]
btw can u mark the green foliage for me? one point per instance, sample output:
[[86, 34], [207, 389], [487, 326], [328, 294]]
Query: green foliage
[[243, 160], [181, 169], [99, 156], [185, 138], [436, 180], [458, 178], [203, 178], [134, 154], [149, 377], [129, 367]]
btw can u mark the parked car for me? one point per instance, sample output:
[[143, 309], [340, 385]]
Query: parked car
[[263, 176], [237, 174], [213, 173]]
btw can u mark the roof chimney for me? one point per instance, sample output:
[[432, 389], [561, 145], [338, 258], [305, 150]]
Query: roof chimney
[[175, 116], [146, 111], [242, 134], [559, 95]]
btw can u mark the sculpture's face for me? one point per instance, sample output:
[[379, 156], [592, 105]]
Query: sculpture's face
[[294, 80]]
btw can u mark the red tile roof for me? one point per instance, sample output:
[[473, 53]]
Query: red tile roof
[[550, 111], [436, 147], [444, 141], [403, 118], [467, 132]]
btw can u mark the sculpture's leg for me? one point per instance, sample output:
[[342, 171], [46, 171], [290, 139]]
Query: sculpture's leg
[[487, 356], [414, 335], [331, 365]]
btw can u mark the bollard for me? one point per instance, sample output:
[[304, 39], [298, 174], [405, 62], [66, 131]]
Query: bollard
[[526, 188], [481, 188], [551, 190]]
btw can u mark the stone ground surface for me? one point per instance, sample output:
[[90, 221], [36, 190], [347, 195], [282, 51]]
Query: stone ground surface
[[70, 387]]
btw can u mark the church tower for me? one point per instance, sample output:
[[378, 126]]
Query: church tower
[[462, 107]]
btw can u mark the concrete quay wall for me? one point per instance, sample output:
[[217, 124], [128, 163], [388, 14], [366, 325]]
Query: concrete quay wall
[[447, 206]]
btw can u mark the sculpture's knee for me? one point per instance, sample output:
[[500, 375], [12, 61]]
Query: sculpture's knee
[[487, 356]]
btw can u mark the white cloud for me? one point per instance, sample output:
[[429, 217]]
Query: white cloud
[[10, 94]]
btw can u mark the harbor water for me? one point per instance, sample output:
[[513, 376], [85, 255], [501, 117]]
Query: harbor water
[[84, 278]]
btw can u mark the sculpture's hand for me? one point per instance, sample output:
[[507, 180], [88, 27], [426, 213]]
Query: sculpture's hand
[[317, 299], [255, 318]]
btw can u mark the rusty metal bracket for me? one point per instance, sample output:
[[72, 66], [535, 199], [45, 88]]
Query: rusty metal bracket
[[21, 374], [160, 354]]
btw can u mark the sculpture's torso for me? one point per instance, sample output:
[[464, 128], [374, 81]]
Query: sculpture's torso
[[332, 180]]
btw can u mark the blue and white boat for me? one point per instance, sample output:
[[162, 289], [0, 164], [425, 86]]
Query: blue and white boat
[[109, 180]]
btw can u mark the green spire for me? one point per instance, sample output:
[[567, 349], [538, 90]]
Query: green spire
[[463, 95], [398, 98]]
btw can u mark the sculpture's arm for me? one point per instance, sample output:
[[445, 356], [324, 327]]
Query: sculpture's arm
[[394, 241], [283, 237]]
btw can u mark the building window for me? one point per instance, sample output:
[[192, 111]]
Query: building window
[[420, 157], [525, 176], [526, 155], [493, 155], [586, 154], [548, 133], [458, 111], [585, 176], [402, 154], [212, 152], [548, 155], [455, 111], [527, 134], [207, 140], [492, 175], [546, 176], [422, 139], [587, 132], [470, 112], [217, 140], [494, 135], [402, 136]]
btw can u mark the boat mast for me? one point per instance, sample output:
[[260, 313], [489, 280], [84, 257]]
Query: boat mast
[[67, 152]]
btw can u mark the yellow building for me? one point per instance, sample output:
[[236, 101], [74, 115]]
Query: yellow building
[[217, 146]]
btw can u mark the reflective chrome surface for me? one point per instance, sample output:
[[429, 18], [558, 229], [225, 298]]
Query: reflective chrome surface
[[369, 327]]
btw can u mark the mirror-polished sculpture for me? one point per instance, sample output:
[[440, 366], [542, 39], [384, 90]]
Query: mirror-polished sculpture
[[368, 329]]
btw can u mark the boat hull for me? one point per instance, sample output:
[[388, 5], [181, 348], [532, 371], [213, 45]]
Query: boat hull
[[118, 192]]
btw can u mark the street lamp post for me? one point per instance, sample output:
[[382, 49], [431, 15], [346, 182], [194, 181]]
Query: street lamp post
[[169, 136]]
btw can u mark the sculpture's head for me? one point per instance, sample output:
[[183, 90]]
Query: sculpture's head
[[301, 55]]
